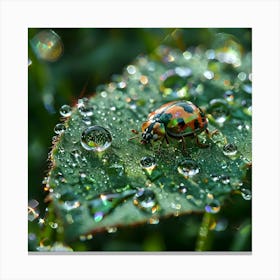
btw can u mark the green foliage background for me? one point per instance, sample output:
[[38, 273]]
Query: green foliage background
[[91, 57]]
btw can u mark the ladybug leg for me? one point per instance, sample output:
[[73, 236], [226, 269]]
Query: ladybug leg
[[201, 145], [184, 147], [166, 139], [210, 134]]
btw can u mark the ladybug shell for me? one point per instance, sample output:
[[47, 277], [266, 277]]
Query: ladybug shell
[[180, 118]]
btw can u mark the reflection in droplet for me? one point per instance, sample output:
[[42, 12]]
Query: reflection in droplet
[[188, 168], [47, 45], [96, 138], [65, 111], [145, 200], [59, 128]]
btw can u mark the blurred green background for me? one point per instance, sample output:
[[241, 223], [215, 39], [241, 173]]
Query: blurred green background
[[90, 57]]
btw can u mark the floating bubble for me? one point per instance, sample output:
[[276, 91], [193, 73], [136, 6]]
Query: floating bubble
[[145, 200], [148, 163], [188, 168], [47, 45], [65, 111], [230, 150], [96, 138], [59, 128], [213, 206]]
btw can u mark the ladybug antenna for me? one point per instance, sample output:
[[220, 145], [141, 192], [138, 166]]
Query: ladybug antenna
[[135, 132]]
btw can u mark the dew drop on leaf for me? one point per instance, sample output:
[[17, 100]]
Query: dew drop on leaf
[[96, 138], [148, 163], [146, 200], [230, 150], [65, 111], [59, 128], [246, 193], [188, 168]]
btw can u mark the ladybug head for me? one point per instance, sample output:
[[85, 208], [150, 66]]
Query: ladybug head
[[152, 131]]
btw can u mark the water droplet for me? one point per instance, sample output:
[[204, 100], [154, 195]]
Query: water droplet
[[112, 229], [188, 168], [209, 75], [96, 138], [131, 69], [213, 206], [246, 193], [47, 45], [247, 88], [230, 150], [65, 111], [148, 163], [215, 177], [229, 95], [225, 179], [29, 61], [182, 188], [242, 76], [70, 205], [145, 199], [219, 110], [86, 120], [53, 225], [174, 81], [59, 128], [86, 111]]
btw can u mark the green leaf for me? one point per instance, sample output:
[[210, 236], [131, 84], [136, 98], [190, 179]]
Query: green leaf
[[100, 179]]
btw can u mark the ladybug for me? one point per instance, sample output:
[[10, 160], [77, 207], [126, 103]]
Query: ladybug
[[176, 119]]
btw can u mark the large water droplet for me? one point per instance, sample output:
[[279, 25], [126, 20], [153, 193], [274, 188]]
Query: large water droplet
[[230, 150], [148, 163], [96, 138], [188, 168], [219, 110], [47, 45], [146, 200], [65, 111]]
